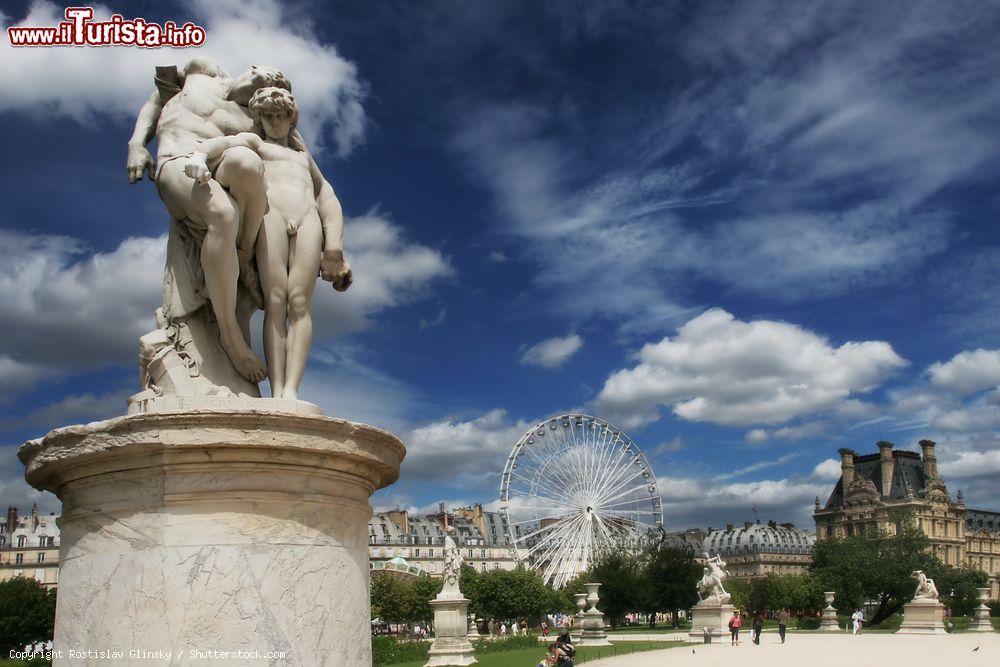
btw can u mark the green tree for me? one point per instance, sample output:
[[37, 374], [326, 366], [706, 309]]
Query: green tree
[[620, 576], [874, 567], [668, 583], [27, 613], [422, 591], [510, 594], [957, 587], [391, 596]]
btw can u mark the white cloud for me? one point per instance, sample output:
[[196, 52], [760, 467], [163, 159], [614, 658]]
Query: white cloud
[[722, 370], [671, 446], [689, 502], [552, 352], [452, 448], [967, 372], [754, 467], [975, 418], [79, 82], [388, 271], [971, 464], [64, 307], [827, 470], [757, 436]]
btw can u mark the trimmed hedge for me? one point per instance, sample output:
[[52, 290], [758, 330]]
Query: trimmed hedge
[[507, 644], [389, 651]]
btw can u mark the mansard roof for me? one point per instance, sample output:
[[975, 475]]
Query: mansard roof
[[908, 478]]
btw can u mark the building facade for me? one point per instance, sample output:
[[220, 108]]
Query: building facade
[[419, 539], [29, 547], [756, 549], [875, 490]]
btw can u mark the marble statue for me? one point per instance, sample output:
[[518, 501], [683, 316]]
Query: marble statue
[[218, 214], [452, 566], [926, 590], [710, 585]]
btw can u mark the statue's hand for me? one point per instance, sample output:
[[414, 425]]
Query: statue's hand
[[139, 160], [335, 269], [197, 169]]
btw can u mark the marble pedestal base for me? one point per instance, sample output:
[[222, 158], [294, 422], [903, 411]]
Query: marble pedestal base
[[828, 623], [981, 622], [241, 532], [592, 630], [451, 628], [710, 614], [922, 618]]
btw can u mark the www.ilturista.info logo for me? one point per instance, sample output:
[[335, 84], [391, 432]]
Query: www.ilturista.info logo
[[80, 30]]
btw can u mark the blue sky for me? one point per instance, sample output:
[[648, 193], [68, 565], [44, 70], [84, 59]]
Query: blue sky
[[749, 233]]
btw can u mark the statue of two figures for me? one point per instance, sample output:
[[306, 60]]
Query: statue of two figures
[[710, 585], [926, 591], [253, 222]]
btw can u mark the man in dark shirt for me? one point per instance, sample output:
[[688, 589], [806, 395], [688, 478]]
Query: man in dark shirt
[[783, 624]]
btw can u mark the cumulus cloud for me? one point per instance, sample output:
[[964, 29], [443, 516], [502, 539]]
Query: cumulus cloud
[[453, 448], [66, 307], [689, 502], [790, 433], [827, 470], [81, 82], [726, 371], [967, 372], [552, 352]]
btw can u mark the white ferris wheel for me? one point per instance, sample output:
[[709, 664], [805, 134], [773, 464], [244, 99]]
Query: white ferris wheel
[[573, 486]]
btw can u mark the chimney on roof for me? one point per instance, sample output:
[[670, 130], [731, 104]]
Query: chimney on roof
[[930, 459], [11, 519], [772, 524], [847, 466], [747, 524], [887, 463], [729, 526]]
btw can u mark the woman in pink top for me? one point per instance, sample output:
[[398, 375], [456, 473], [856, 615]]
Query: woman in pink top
[[735, 623]]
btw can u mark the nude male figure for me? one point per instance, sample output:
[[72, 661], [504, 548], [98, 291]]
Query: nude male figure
[[294, 236], [189, 106]]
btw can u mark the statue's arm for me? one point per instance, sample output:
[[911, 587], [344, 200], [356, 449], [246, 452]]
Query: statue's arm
[[212, 149], [139, 159], [333, 267]]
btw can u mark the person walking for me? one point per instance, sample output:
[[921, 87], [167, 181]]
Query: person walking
[[857, 618], [783, 624], [735, 623], [758, 627]]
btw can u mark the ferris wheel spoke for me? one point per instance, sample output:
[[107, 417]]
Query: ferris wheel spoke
[[545, 529], [534, 485], [554, 535], [617, 469], [627, 492], [621, 483]]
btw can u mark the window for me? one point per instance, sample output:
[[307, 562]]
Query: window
[[482, 553], [21, 539], [41, 557], [430, 553], [470, 553], [18, 559], [41, 540], [484, 567], [416, 553]]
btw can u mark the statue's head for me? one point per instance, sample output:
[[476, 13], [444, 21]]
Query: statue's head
[[274, 112], [255, 78]]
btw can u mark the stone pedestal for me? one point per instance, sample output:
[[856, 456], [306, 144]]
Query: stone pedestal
[[451, 628], [473, 628], [828, 623], [981, 620], [592, 624], [922, 617], [711, 614], [239, 531]]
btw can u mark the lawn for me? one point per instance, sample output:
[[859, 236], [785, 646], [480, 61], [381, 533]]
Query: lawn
[[530, 657]]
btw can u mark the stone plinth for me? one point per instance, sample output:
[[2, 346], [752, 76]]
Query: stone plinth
[[922, 617], [214, 530], [712, 614], [473, 628], [451, 628], [828, 622], [981, 619], [592, 624]]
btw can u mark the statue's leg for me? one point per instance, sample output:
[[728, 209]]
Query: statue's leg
[[210, 207], [272, 261], [242, 171], [303, 266]]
